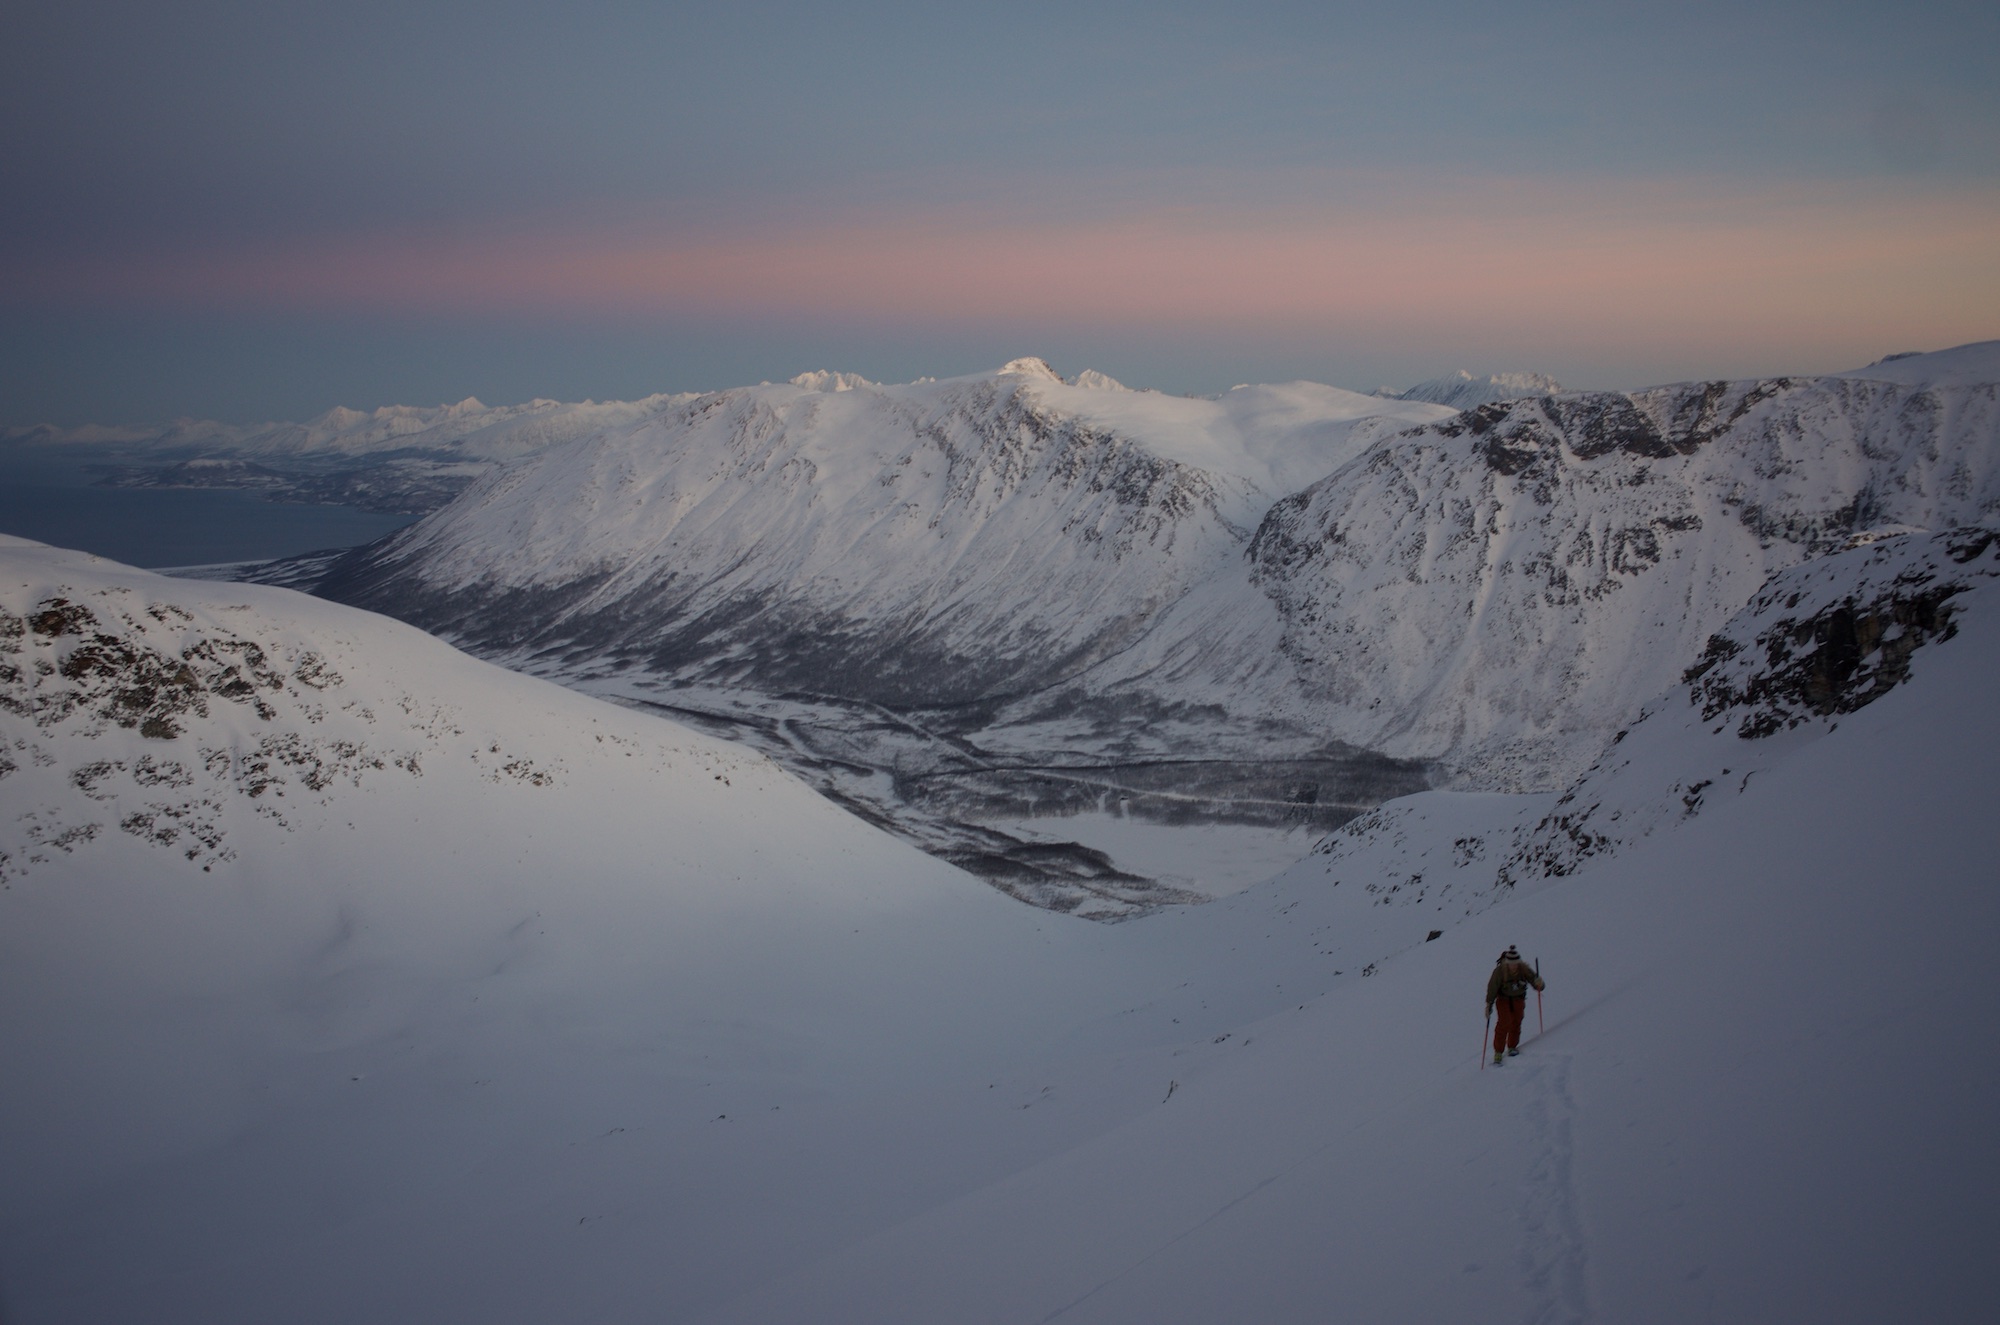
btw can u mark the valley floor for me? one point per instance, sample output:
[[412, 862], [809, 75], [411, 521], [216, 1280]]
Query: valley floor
[[1083, 821]]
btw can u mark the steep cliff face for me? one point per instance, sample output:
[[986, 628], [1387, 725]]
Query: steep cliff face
[[1495, 590]]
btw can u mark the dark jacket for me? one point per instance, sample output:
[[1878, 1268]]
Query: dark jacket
[[1510, 979]]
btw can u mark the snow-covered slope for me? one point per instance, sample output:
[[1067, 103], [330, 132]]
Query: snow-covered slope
[[923, 545], [636, 1029], [185, 718], [1963, 365], [1008, 595], [1461, 390], [1497, 590], [1008, 549], [345, 975], [1819, 642], [1756, 1089]]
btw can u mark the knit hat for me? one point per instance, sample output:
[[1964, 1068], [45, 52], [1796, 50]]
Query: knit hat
[[1512, 954]]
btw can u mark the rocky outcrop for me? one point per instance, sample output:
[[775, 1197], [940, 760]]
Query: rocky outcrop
[[1826, 655], [162, 719], [1821, 641]]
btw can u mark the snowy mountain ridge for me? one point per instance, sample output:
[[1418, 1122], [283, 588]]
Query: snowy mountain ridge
[[1065, 575], [1962, 365], [905, 515], [1495, 590], [1461, 390], [947, 547]]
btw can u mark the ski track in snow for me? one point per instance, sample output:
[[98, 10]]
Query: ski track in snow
[[1554, 1261]]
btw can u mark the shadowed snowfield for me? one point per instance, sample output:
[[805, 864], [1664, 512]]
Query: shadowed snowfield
[[347, 977]]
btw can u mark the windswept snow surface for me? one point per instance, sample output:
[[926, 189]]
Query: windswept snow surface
[[638, 1029]]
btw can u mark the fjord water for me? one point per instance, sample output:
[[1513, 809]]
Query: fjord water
[[50, 496]]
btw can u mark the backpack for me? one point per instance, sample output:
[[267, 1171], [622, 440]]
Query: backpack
[[1514, 988]]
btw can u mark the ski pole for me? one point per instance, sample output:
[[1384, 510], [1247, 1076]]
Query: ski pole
[[1482, 1038], [1539, 1027]]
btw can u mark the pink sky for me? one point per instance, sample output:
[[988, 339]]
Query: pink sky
[[1662, 263]]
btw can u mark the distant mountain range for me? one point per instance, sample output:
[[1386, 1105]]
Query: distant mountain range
[[414, 459], [1461, 390], [1012, 594], [401, 459]]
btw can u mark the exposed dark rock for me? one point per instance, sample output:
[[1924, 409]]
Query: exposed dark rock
[[1821, 640], [59, 616], [1839, 659], [122, 679]]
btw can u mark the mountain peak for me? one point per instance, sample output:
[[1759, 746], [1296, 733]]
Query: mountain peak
[[826, 380], [1092, 380], [1032, 366]]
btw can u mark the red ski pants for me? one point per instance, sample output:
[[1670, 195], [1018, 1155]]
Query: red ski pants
[[1507, 1030]]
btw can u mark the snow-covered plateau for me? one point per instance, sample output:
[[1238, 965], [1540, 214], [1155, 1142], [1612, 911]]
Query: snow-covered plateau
[[343, 976], [963, 606]]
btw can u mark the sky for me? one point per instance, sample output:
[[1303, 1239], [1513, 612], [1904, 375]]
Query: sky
[[249, 211]]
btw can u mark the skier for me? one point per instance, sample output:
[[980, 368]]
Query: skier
[[1507, 989]]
